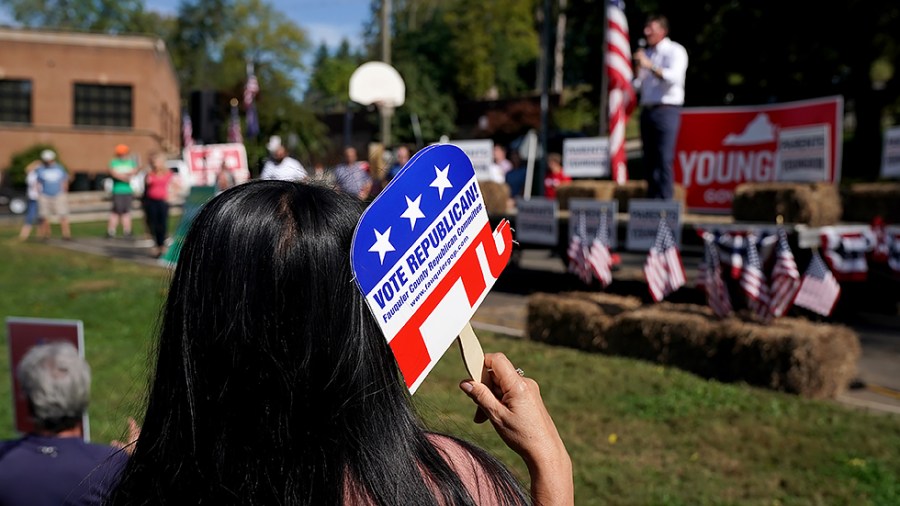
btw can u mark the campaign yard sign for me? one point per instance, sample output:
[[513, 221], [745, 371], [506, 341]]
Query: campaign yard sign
[[643, 222], [424, 256], [25, 333], [481, 154], [206, 161], [890, 154], [586, 157]]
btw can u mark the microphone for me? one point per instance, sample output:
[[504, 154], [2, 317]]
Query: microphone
[[642, 43]]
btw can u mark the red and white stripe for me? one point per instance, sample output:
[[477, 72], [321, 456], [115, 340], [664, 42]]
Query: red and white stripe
[[621, 93], [663, 270], [785, 277], [600, 262]]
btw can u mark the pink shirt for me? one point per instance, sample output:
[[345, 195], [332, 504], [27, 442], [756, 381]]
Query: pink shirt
[[158, 185]]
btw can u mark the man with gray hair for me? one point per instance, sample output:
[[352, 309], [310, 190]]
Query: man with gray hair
[[53, 465]]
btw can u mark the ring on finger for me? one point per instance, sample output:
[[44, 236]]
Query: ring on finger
[[519, 371]]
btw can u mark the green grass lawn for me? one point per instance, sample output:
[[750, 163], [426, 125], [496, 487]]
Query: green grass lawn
[[638, 433]]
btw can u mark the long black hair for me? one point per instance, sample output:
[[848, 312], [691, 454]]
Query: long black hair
[[273, 382]]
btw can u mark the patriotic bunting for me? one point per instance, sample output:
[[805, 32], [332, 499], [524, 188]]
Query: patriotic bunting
[[846, 253], [663, 269], [819, 290]]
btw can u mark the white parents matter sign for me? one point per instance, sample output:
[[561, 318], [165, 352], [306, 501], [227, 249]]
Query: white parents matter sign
[[586, 157], [481, 153], [425, 257]]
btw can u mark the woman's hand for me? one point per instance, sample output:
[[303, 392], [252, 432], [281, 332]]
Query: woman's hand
[[514, 406], [134, 432]]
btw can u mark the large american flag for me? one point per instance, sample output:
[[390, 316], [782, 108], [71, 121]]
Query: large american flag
[[753, 282], [251, 89], [785, 277], [187, 130], [599, 258], [663, 269], [819, 290], [711, 278], [621, 93]]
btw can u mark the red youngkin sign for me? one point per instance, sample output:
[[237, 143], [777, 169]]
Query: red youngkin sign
[[719, 148]]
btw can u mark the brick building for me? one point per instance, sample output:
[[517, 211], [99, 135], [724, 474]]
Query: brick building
[[85, 93]]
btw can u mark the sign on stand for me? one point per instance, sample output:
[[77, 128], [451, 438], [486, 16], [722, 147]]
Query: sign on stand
[[481, 153], [25, 333], [890, 158], [590, 211], [425, 257], [206, 161], [536, 221], [586, 157], [803, 154], [643, 222]]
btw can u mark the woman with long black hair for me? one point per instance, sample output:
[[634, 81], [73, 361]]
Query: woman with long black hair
[[275, 385]]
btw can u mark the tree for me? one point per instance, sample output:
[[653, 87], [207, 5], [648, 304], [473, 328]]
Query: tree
[[329, 83], [107, 16]]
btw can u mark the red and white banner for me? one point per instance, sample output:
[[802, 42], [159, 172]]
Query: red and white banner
[[721, 147], [206, 161]]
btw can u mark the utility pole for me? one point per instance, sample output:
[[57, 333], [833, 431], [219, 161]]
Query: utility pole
[[544, 79], [387, 111]]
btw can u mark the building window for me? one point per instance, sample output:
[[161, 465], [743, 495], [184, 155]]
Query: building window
[[102, 105], [15, 100]]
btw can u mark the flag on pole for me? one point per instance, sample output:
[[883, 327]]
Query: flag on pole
[[234, 125], [578, 253], [599, 258], [622, 97], [785, 277], [187, 130], [663, 269], [753, 282], [819, 290], [711, 278], [251, 89]]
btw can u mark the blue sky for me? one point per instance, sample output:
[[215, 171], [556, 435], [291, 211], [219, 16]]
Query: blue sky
[[324, 20]]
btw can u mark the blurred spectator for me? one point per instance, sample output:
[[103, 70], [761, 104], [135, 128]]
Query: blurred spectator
[[158, 184], [32, 192], [53, 465], [322, 175], [280, 165], [555, 176], [122, 169], [501, 166], [53, 189], [515, 178], [401, 156], [351, 176]]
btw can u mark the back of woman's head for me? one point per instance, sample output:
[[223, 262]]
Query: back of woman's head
[[273, 382]]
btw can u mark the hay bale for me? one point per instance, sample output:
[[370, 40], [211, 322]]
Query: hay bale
[[575, 319], [682, 335], [584, 189], [814, 204], [792, 355], [637, 189], [864, 201], [496, 197]]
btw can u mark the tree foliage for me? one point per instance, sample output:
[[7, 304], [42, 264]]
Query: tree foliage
[[108, 16]]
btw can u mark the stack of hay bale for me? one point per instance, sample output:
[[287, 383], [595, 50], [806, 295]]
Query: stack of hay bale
[[607, 190], [864, 201], [814, 204], [791, 354]]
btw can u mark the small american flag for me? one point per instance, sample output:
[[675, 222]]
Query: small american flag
[[621, 93], [251, 89], [234, 126], [819, 290], [663, 269], [711, 278], [753, 282], [599, 258], [187, 130], [578, 253], [785, 277]]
